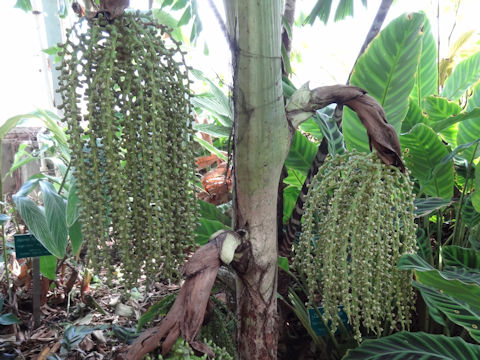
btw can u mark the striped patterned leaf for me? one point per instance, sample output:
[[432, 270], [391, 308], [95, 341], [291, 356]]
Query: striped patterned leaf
[[457, 311], [312, 128], [330, 130], [469, 130], [457, 256], [426, 206], [414, 116], [424, 246], [387, 71], [425, 153], [470, 215], [438, 110], [465, 74], [427, 73], [418, 345], [301, 153]]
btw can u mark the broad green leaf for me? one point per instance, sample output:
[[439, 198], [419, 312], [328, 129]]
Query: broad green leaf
[[73, 204], [413, 262], [468, 131], [211, 212], [213, 129], [425, 153], [288, 87], [442, 117], [179, 4], [439, 108], [55, 211], [75, 234], [290, 195], [426, 206], [470, 216], [474, 99], [457, 311], [465, 74], [302, 152], [283, 263], [387, 71], [208, 102], [312, 128], [27, 187], [295, 178], [9, 319], [427, 72], [47, 266], [424, 246], [447, 283], [209, 147], [414, 116], [459, 149], [36, 221], [433, 310], [25, 5], [51, 122], [457, 256], [414, 345], [206, 228]]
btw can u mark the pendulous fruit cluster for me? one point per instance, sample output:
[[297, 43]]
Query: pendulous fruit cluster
[[358, 220], [126, 101]]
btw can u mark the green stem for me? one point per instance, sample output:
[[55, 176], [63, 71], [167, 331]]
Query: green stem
[[64, 178]]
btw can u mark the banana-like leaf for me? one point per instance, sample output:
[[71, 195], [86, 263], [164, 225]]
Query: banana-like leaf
[[457, 256], [76, 237], [427, 73], [425, 153], [465, 74], [414, 116], [414, 345], [387, 71], [344, 9], [468, 131], [457, 311], [302, 152], [426, 206]]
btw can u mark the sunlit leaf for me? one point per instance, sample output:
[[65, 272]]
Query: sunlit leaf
[[465, 74]]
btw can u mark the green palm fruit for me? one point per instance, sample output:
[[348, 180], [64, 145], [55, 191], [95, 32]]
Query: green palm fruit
[[126, 103]]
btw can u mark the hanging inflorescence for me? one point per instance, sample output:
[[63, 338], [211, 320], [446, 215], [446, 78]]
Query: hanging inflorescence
[[358, 220], [126, 101]]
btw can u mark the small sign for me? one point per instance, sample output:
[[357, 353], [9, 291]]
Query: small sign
[[27, 245], [316, 322]]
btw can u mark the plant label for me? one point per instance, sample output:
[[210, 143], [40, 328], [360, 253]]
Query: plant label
[[27, 245]]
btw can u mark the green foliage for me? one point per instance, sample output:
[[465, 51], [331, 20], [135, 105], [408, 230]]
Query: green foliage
[[8, 318], [46, 223], [387, 71], [466, 74], [322, 9], [418, 345], [424, 155], [358, 220], [133, 158], [159, 309]]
